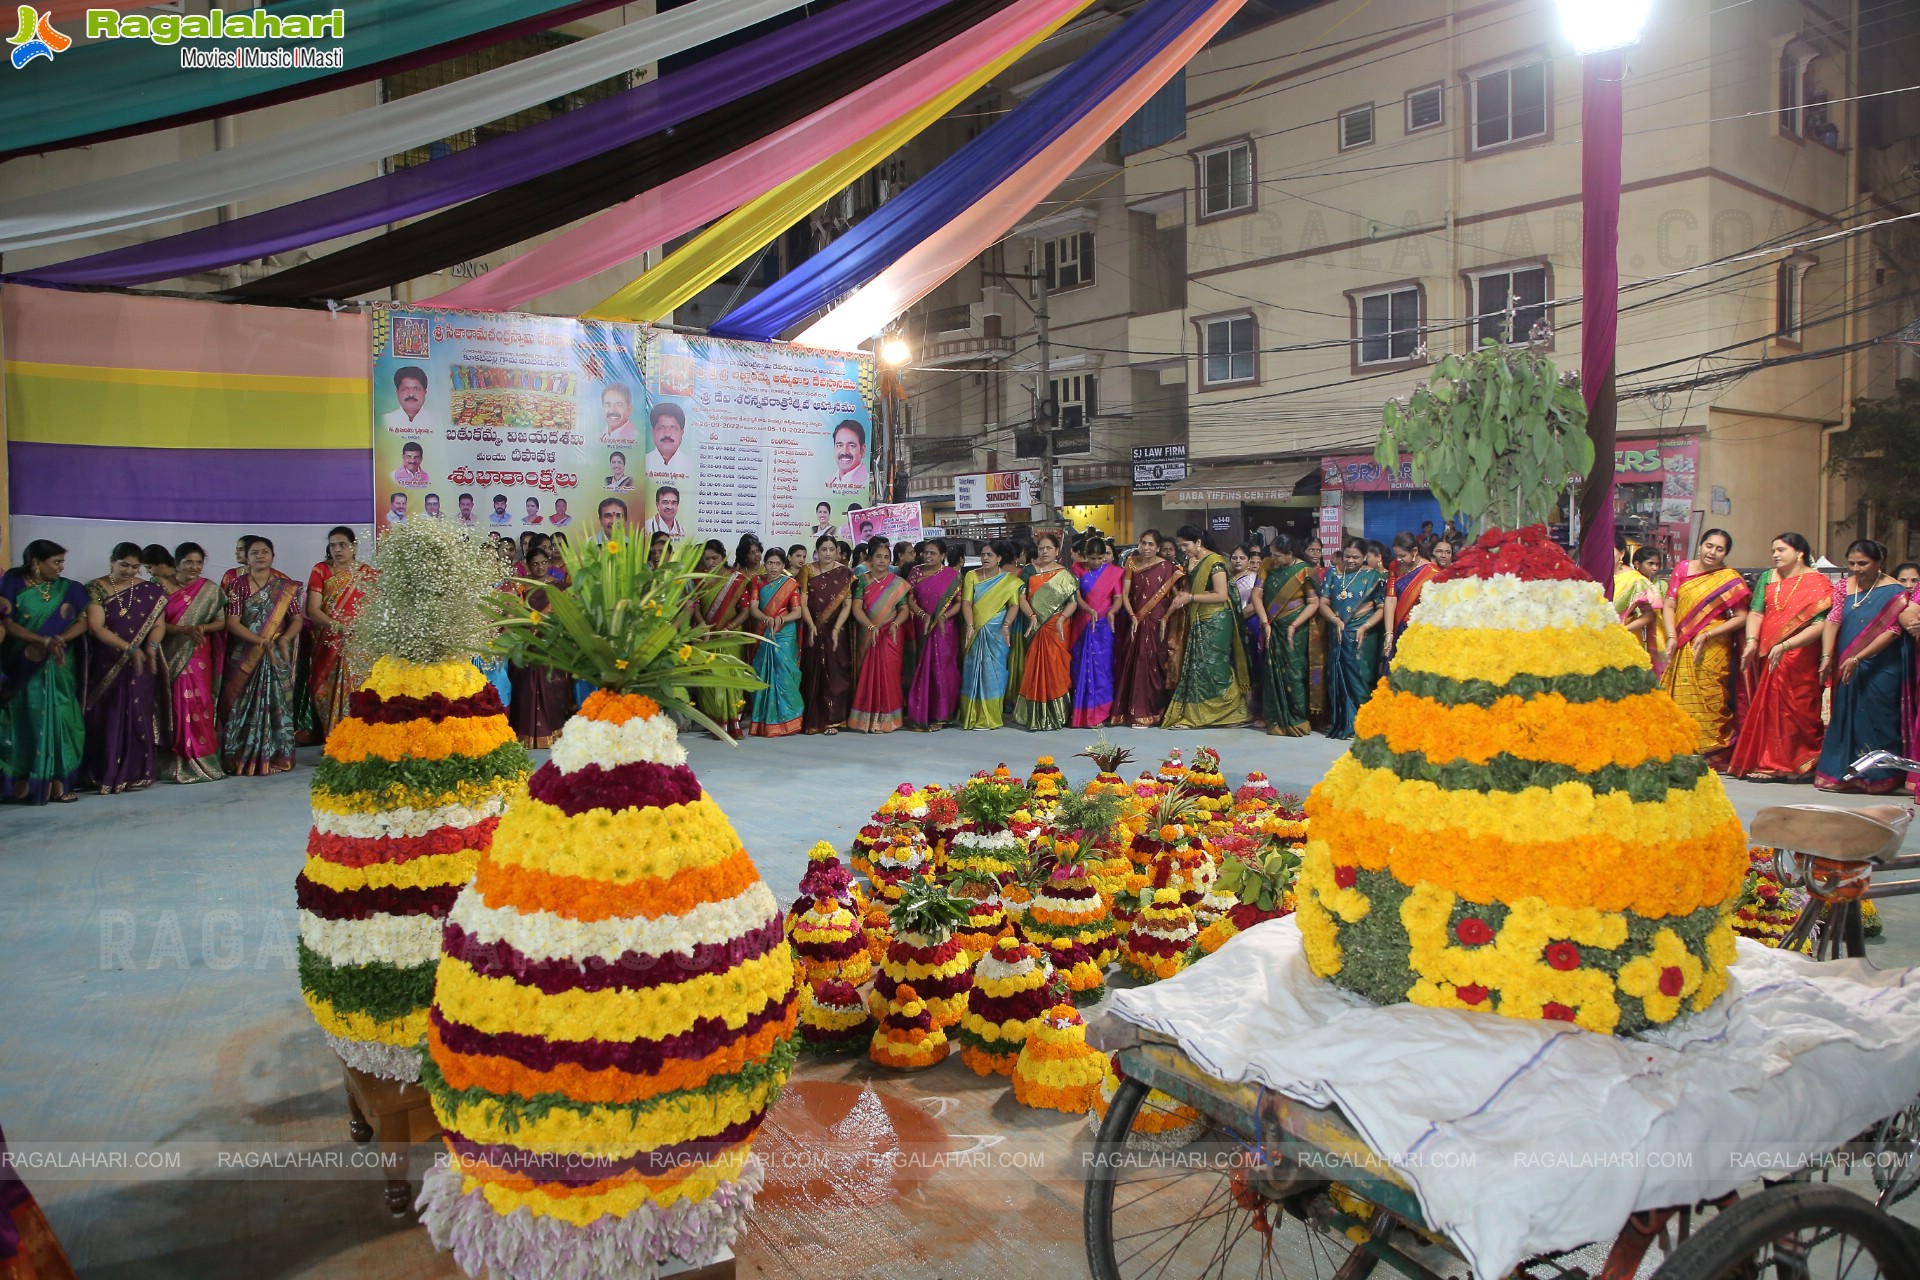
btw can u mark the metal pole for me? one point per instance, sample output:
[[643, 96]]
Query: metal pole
[[1041, 394]]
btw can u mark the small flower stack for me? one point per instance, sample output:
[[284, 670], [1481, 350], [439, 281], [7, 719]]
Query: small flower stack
[[900, 858], [829, 942], [942, 823], [1161, 1123], [825, 877], [1069, 918], [1172, 772], [1057, 1069], [834, 1019], [986, 914], [1256, 795], [908, 1038], [925, 953], [1259, 883], [985, 841], [1012, 987], [405, 801], [1208, 785], [1160, 939], [1767, 909], [1046, 782]]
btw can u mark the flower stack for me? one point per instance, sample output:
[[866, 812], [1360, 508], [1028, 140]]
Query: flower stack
[[900, 859], [834, 1018], [615, 1005], [1057, 1069], [925, 953], [871, 832], [1172, 771], [942, 823], [405, 800], [986, 915], [1259, 883], [1208, 786], [1012, 987], [1523, 825], [825, 877], [1162, 935], [829, 941], [1182, 859], [908, 1038], [985, 842], [1070, 920], [1256, 795], [1767, 908], [1046, 782], [1161, 1123]]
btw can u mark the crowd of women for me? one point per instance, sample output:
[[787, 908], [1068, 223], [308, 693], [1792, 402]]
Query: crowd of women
[[130, 678]]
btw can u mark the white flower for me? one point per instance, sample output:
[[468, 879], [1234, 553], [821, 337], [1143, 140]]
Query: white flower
[[398, 940], [584, 742], [997, 970], [389, 823], [542, 935], [1505, 602]]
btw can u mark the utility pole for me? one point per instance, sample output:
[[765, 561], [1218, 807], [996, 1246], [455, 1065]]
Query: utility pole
[[1043, 396]]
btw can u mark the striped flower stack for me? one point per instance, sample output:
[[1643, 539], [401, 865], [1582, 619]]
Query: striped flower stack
[[1057, 1069], [1523, 825], [405, 801], [828, 941], [1161, 938], [834, 1018], [1070, 921], [613, 1015], [1013, 985]]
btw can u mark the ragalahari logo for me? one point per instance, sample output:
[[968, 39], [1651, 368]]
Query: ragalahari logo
[[37, 37]]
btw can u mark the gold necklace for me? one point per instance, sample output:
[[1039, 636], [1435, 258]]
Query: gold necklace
[[46, 591]]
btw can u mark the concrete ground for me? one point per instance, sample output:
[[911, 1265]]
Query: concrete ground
[[151, 1003]]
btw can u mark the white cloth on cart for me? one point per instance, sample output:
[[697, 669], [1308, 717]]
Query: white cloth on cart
[[1523, 1138]]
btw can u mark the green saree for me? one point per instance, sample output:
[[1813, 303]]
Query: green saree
[[1212, 690], [1283, 681]]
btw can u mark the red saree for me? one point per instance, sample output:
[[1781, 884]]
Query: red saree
[[1140, 676], [330, 684], [879, 705], [1781, 734], [826, 666]]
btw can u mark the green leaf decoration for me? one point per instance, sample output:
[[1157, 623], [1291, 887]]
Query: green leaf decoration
[[926, 907]]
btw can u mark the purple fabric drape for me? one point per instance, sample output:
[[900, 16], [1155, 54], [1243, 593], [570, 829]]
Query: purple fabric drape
[[528, 153], [1600, 144], [933, 699]]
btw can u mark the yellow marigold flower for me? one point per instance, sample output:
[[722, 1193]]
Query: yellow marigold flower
[[613, 548], [1663, 977], [619, 664], [686, 652]]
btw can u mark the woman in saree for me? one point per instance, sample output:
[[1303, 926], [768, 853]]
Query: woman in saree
[[196, 613], [1022, 567], [1707, 609], [542, 698], [1140, 675], [1247, 568], [1650, 565], [1212, 690], [1411, 573], [126, 621], [722, 604], [1781, 733], [1290, 598], [1045, 696], [1315, 629], [1633, 598], [1102, 587], [774, 606], [880, 610], [826, 670], [989, 599], [492, 665], [1355, 604], [335, 588], [933, 696], [41, 726], [256, 694], [1864, 651]]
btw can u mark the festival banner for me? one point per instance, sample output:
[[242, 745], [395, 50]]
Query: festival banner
[[524, 423], [996, 491], [896, 522]]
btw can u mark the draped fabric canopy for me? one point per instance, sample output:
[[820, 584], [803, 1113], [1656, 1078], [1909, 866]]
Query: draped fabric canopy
[[861, 127], [527, 209], [222, 177], [121, 88], [520, 156], [920, 269], [984, 163]]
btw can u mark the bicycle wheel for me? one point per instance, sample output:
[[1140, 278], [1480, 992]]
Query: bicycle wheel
[[1797, 1230], [1893, 1155], [1210, 1208]]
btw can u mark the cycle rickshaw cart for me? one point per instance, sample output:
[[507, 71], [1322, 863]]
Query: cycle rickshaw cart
[[1266, 1183]]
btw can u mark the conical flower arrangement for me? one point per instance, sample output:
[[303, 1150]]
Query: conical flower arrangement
[[1162, 1122], [1057, 1069], [1012, 986], [900, 858], [908, 1038], [926, 954], [1045, 783], [829, 942], [1208, 785], [1068, 908], [1523, 826], [1172, 771], [834, 1019], [1160, 939], [1255, 795], [826, 877], [405, 799], [614, 1009], [985, 841], [986, 915]]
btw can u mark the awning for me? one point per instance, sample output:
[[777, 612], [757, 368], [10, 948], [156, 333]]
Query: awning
[[1255, 485]]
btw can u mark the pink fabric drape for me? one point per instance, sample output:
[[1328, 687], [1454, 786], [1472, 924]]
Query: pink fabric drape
[[661, 213], [972, 230], [1600, 144]]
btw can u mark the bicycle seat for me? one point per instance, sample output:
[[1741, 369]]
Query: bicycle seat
[[1870, 834]]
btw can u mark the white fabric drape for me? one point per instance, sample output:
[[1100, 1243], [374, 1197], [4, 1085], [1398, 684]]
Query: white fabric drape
[[355, 140]]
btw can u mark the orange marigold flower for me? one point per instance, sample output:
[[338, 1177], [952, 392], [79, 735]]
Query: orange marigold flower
[[618, 708]]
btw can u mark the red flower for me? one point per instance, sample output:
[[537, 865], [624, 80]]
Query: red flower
[[1672, 981], [1472, 931], [1563, 956], [370, 707], [1526, 553], [1472, 993], [1556, 1011], [1345, 876]]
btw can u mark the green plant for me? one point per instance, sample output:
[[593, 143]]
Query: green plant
[[627, 627], [1494, 434], [989, 804], [1090, 816], [1177, 807], [1876, 454], [926, 908], [431, 599], [1261, 878], [1107, 757]]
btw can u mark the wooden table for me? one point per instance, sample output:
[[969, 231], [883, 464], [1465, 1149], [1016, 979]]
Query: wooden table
[[401, 1114]]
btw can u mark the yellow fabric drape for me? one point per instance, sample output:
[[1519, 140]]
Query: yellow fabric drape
[[730, 241]]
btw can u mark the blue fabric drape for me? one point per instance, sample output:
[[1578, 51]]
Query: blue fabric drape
[[963, 177]]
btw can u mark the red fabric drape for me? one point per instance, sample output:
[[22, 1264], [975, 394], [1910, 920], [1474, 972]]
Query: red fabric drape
[[1600, 142]]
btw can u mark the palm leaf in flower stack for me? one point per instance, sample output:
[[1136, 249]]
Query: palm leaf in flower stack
[[614, 1006], [406, 797]]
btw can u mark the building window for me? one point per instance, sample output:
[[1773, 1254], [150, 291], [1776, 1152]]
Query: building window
[[1426, 108], [1509, 105], [1226, 180], [1507, 304], [1789, 296], [1075, 404], [1796, 65], [1389, 325], [1069, 261], [1356, 127], [1227, 351]]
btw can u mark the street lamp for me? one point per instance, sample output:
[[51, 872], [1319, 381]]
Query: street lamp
[[895, 352], [1599, 30]]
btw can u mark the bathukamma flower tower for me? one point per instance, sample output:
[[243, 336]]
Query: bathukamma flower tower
[[405, 798], [614, 1008], [1522, 826]]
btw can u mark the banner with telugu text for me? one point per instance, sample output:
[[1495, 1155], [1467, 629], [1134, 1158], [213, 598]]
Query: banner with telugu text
[[519, 423]]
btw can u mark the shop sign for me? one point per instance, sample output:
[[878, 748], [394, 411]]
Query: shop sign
[[1158, 467], [997, 491], [1359, 473]]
